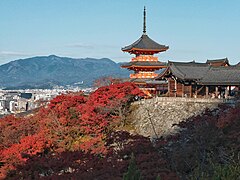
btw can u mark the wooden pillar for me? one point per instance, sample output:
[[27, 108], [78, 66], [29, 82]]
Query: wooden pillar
[[182, 90], [175, 86], [207, 91], [156, 90], [190, 90], [169, 87]]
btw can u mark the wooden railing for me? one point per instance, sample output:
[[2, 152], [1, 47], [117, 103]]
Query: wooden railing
[[143, 75], [145, 58]]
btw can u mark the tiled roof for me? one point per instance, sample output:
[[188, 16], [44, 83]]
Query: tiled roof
[[222, 76], [162, 74], [156, 82], [145, 43], [140, 80], [188, 71], [205, 74], [217, 60], [144, 63]]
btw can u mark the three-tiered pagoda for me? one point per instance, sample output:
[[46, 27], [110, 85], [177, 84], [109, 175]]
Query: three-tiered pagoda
[[144, 64]]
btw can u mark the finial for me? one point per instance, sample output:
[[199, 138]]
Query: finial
[[144, 20]]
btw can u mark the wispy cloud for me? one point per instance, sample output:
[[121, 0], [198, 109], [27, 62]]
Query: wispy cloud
[[6, 56], [13, 54], [90, 46], [80, 45], [109, 46]]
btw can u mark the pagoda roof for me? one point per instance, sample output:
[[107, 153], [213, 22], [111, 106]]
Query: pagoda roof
[[144, 64], [146, 44], [153, 81], [140, 80], [144, 81]]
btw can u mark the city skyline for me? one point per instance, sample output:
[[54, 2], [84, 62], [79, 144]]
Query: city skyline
[[194, 30]]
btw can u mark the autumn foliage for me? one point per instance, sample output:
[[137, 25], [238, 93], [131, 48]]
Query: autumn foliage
[[75, 137], [71, 122]]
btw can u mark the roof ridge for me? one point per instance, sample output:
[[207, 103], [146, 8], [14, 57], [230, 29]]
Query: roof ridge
[[217, 59], [181, 73], [188, 63]]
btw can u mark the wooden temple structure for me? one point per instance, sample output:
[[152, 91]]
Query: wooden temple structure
[[213, 79], [144, 64], [218, 62]]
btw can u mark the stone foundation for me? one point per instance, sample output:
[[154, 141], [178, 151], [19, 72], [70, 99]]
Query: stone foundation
[[156, 117]]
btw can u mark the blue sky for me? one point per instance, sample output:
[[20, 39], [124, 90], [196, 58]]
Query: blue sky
[[193, 29]]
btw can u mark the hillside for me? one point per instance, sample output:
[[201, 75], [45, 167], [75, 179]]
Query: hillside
[[47, 71]]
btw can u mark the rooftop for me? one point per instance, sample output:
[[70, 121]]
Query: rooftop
[[188, 71], [218, 62], [203, 73], [146, 44], [222, 76]]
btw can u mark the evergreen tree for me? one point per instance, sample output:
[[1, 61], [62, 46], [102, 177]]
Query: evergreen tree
[[133, 172]]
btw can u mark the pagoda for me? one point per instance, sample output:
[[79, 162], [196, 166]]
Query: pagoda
[[144, 64]]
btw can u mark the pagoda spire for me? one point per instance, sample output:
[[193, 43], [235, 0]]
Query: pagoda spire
[[144, 20], [144, 45]]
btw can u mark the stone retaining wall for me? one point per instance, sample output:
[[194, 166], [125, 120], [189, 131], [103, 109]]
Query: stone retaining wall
[[156, 117]]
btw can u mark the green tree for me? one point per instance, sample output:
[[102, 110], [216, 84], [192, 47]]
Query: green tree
[[133, 172]]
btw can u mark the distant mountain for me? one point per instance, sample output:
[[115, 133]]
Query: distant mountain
[[48, 71]]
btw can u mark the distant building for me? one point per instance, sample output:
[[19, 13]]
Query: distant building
[[2, 105], [26, 95], [22, 105], [12, 106]]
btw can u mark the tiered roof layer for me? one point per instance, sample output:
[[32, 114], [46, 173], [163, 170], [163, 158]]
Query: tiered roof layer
[[145, 44]]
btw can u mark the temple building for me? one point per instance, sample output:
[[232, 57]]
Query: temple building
[[213, 79], [218, 62], [144, 64]]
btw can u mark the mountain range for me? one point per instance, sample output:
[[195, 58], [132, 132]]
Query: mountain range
[[49, 71]]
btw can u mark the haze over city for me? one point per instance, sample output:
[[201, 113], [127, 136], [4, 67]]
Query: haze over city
[[194, 30]]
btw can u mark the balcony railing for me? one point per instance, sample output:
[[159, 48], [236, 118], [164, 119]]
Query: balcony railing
[[145, 58], [143, 75]]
